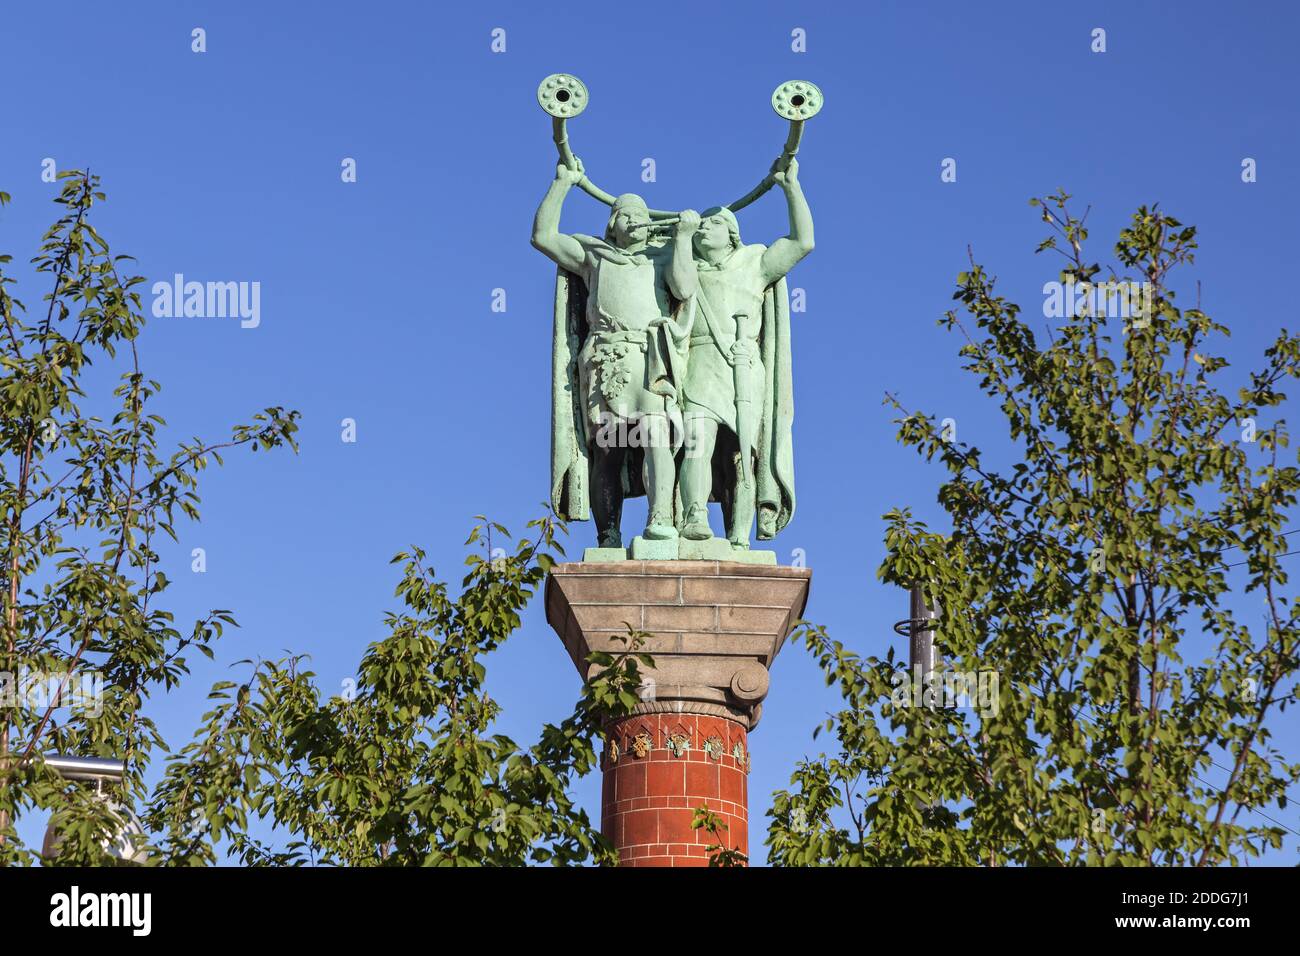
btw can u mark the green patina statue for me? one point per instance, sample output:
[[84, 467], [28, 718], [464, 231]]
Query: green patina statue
[[738, 399], [622, 356], [671, 361]]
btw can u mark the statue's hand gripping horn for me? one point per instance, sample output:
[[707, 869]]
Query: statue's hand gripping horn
[[564, 96]]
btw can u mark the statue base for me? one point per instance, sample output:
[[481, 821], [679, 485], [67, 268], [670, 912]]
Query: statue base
[[681, 549]]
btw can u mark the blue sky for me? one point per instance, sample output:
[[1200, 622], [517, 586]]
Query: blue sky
[[376, 295]]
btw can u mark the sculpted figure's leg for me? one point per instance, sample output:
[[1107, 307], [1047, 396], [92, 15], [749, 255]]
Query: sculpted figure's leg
[[607, 494], [697, 475], [741, 520], [659, 473]]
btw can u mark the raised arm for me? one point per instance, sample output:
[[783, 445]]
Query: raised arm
[[564, 250], [683, 279], [782, 255]]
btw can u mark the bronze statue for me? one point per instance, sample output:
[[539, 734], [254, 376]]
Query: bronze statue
[[671, 353]]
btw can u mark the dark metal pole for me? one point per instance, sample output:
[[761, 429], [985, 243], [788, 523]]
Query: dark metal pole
[[921, 634]]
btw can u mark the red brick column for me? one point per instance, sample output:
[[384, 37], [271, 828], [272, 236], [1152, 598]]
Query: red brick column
[[713, 628], [659, 768]]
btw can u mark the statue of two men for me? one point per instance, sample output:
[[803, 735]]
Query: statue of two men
[[667, 350]]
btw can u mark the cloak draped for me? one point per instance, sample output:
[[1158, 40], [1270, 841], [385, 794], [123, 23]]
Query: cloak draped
[[570, 461], [775, 471]]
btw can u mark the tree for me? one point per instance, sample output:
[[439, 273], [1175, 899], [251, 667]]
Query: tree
[[718, 851], [1090, 579], [81, 503], [403, 769]]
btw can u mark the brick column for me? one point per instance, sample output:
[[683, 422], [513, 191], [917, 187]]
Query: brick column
[[716, 627], [648, 803]]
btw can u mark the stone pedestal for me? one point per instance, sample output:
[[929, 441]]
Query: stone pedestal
[[716, 627]]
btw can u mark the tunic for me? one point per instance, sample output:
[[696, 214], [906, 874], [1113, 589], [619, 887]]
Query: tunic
[[734, 287], [626, 293]]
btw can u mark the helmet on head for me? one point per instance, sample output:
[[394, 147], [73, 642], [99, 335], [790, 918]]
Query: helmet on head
[[625, 201]]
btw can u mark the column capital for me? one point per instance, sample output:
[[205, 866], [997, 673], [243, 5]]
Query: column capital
[[715, 626]]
